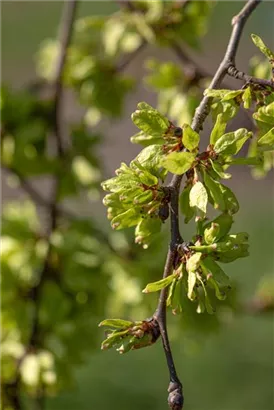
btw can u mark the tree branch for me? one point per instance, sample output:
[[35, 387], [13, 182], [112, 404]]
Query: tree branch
[[191, 69], [128, 59], [66, 28], [175, 397], [240, 75], [65, 34]]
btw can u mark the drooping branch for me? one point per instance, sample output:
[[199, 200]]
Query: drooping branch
[[175, 397]]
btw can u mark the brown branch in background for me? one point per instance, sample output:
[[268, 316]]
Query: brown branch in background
[[128, 59], [175, 398], [65, 34], [191, 69], [66, 28]]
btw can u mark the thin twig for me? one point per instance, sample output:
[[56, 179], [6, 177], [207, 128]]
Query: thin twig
[[238, 22], [35, 195], [240, 75], [128, 59], [190, 68], [65, 34]]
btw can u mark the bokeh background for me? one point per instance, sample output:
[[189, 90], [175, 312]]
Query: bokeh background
[[227, 369]]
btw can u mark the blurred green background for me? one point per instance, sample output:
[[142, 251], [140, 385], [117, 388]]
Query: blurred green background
[[229, 369]]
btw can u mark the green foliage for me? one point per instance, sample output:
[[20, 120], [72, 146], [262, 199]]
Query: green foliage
[[262, 47], [61, 285]]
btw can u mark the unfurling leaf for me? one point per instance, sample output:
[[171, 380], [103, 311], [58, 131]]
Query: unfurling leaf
[[193, 262], [262, 47], [211, 233], [266, 142], [224, 222]]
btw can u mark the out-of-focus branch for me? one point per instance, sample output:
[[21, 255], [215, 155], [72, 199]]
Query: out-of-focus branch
[[66, 28], [191, 69], [129, 58]]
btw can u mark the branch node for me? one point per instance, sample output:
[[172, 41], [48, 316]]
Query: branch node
[[175, 397]]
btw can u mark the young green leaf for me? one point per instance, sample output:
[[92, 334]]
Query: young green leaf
[[224, 95], [244, 161], [146, 230], [150, 121], [193, 262], [214, 192], [192, 277], [179, 162], [190, 138], [116, 323], [185, 207], [218, 129], [266, 142], [150, 158], [231, 143], [224, 222], [113, 339], [265, 114], [262, 47], [247, 98], [231, 202], [211, 267], [160, 284], [198, 197], [145, 139], [126, 219], [239, 251], [228, 109], [174, 298], [211, 233], [218, 168], [207, 301]]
